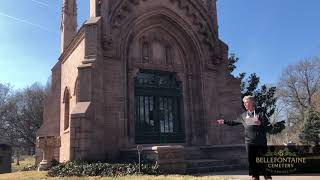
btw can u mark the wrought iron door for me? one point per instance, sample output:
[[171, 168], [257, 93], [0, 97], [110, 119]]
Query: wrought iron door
[[158, 108]]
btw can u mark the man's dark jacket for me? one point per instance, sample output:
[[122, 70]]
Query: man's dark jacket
[[254, 134]]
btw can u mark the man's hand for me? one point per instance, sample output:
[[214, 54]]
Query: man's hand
[[220, 121]]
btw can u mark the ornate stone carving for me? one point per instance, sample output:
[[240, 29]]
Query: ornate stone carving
[[199, 20], [145, 50]]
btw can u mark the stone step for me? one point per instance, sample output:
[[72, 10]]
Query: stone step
[[196, 170], [204, 163], [215, 165], [215, 162], [203, 159], [224, 151], [195, 154]]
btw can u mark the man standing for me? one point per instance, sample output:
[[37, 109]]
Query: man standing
[[256, 125]]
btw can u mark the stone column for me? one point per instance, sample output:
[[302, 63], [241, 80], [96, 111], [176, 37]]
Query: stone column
[[47, 144]]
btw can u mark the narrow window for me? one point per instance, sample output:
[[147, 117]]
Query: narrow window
[[145, 52], [66, 101], [168, 55], [76, 89]]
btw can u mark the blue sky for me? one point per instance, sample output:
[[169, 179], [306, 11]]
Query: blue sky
[[267, 35], [30, 39]]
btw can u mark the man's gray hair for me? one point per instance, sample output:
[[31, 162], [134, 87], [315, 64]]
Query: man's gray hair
[[251, 98]]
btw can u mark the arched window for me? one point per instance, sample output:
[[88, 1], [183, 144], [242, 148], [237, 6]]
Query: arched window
[[168, 54], [66, 101], [76, 89], [145, 52]]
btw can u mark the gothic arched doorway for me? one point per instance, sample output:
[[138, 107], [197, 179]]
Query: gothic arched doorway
[[158, 109]]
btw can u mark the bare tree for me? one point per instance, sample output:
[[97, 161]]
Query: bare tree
[[316, 101], [300, 83], [23, 116], [5, 92], [280, 114], [297, 89]]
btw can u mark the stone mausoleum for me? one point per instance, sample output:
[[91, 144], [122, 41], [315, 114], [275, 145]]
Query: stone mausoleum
[[5, 157], [142, 72]]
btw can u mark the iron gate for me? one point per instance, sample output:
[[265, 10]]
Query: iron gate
[[158, 108]]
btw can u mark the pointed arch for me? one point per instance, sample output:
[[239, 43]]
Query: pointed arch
[[174, 33], [66, 102], [76, 89], [195, 20], [145, 50], [169, 54]]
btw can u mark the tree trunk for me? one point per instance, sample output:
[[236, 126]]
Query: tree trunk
[[18, 158]]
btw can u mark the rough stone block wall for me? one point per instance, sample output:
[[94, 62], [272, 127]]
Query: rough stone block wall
[[51, 115], [69, 75]]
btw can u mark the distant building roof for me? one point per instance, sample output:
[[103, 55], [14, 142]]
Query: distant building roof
[[4, 141]]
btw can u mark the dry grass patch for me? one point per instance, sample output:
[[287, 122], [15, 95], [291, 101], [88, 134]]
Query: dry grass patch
[[175, 177], [24, 175], [28, 161], [30, 175]]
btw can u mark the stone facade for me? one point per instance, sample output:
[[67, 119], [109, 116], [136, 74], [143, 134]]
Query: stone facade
[[92, 105]]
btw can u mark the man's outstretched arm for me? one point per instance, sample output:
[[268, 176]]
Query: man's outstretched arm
[[235, 122]]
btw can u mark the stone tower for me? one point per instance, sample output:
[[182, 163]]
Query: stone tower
[[68, 22]]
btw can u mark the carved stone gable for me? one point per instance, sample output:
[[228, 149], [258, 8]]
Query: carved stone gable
[[192, 12]]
